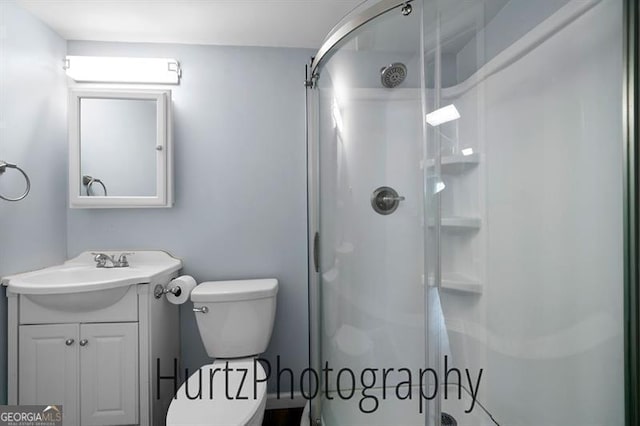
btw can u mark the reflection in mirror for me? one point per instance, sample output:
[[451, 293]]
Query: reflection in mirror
[[118, 147]]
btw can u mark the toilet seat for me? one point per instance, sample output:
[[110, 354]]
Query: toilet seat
[[219, 410]]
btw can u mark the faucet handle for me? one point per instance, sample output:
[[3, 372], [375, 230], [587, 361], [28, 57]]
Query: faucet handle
[[122, 259], [100, 259]]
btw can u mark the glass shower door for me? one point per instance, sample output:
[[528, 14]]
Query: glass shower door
[[371, 184]]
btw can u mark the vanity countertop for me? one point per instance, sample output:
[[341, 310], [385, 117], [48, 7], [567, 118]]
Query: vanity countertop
[[80, 274]]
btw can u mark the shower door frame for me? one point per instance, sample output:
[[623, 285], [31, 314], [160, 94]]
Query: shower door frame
[[631, 152], [313, 230]]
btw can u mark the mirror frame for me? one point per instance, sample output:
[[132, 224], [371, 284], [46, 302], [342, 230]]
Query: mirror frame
[[164, 149]]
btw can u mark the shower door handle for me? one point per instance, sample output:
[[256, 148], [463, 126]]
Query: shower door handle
[[316, 252]]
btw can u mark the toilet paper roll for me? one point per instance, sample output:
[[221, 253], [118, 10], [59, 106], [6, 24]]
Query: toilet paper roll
[[186, 284]]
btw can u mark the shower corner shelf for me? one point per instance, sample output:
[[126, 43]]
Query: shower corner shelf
[[459, 222], [461, 283], [456, 163]]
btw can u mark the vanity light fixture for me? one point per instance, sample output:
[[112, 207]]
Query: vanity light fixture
[[443, 115], [105, 69]]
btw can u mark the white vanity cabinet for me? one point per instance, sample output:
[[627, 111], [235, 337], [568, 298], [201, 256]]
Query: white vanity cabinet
[[48, 368], [95, 365], [96, 352], [109, 374]]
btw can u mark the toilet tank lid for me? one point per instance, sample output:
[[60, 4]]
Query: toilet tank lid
[[227, 291]]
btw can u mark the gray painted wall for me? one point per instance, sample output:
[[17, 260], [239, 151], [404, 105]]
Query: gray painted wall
[[33, 135], [240, 183]]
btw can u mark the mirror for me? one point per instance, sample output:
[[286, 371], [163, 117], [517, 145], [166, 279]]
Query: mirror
[[119, 146]]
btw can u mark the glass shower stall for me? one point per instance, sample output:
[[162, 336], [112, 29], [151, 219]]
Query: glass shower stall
[[466, 214]]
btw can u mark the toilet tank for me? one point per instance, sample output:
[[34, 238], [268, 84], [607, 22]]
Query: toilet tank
[[238, 317]]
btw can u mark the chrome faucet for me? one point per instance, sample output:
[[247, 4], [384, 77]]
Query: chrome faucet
[[104, 260]]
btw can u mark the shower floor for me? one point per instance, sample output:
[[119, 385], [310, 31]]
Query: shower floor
[[396, 411]]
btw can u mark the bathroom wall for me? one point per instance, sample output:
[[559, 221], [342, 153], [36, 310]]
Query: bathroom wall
[[32, 135], [240, 183]]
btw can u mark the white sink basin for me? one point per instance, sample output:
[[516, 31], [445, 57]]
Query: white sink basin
[[73, 278], [86, 301], [80, 275]]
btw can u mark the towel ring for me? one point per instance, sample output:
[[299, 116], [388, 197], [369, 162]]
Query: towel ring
[[3, 168], [88, 181]]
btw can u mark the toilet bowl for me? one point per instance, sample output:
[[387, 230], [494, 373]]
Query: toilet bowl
[[235, 321], [221, 400]]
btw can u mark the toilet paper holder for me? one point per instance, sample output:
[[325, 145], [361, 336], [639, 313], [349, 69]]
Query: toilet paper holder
[[159, 291]]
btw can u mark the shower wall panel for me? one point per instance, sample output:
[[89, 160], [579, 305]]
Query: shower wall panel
[[547, 328]]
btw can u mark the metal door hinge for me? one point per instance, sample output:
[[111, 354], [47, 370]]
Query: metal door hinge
[[311, 82]]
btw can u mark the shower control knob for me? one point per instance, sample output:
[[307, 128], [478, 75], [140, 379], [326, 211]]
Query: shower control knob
[[385, 200], [392, 199]]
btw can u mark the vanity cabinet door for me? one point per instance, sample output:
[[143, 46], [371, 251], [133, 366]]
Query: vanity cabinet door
[[109, 374], [48, 367]]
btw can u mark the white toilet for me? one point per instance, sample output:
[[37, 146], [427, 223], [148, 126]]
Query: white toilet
[[235, 320]]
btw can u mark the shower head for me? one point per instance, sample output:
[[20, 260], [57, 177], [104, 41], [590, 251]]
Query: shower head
[[393, 74]]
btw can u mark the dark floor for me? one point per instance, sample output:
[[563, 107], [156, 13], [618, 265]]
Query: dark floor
[[282, 417]]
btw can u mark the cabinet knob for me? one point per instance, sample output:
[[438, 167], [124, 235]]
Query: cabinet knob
[[84, 342], [69, 342]]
